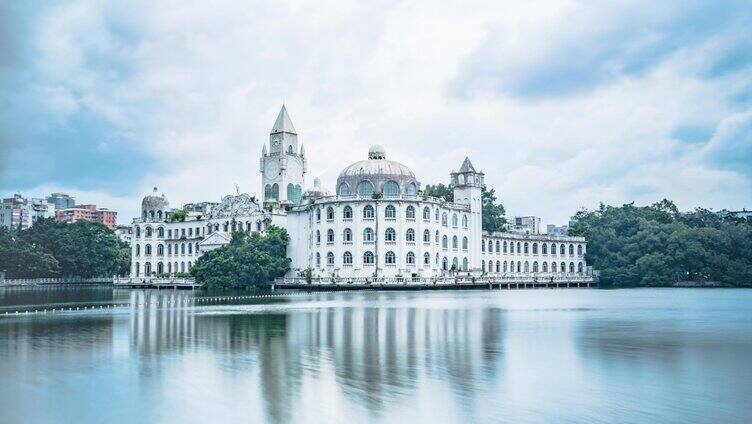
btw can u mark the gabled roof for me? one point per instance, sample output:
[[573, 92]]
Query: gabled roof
[[283, 123], [215, 238], [467, 166]]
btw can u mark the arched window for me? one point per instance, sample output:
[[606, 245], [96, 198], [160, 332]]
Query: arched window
[[411, 189], [563, 267], [437, 214], [160, 232], [426, 259], [545, 266], [579, 250], [318, 259], [160, 250], [410, 258], [544, 248], [147, 232], [426, 236], [138, 232], [498, 246], [562, 249], [444, 242], [365, 188], [579, 267], [410, 235], [368, 258], [410, 212], [527, 267], [391, 188], [444, 219], [436, 237], [526, 248], [454, 242], [169, 267], [347, 258], [160, 268], [368, 235], [390, 258], [464, 264], [368, 212], [147, 249], [147, 269], [553, 249], [444, 264], [190, 248], [390, 235], [464, 243], [289, 149], [535, 248], [535, 266], [571, 267], [454, 264], [138, 250], [347, 212], [464, 221], [182, 248], [519, 266], [294, 193], [347, 235], [483, 264], [318, 237], [505, 247], [330, 213], [330, 236], [455, 220], [268, 192], [426, 213], [571, 250], [490, 246], [518, 247], [483, 246], [344, 189], [330, 259], [553, 266], [318, 214], [169, 249], [275, 191], [390, 211]]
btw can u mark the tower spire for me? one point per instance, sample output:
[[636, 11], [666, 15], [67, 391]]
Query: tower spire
[[283, 123]]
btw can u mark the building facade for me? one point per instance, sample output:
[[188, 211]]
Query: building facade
[[89, 213], [61, 200], [19, 212], [377, 223]]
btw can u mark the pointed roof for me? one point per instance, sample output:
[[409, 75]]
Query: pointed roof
[[467, 166], [283, 123]]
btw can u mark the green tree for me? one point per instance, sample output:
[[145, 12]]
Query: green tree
[[441, 191], [19, 258], [249, 260], [658, 245], [179, 215], [493, 213]]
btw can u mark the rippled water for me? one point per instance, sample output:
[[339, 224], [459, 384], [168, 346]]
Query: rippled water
[[626, 356]]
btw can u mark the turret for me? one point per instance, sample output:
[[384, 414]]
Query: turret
[[468, 188]]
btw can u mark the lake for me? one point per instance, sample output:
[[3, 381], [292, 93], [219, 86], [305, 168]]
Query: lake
[[565, 356]]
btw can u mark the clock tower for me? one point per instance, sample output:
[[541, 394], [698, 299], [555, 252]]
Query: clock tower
[[283, 165]]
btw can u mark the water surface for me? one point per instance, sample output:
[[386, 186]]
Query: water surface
[[627, 356]]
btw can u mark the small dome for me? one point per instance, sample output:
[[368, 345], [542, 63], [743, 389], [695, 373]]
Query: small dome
[[155, 201], [377, 175], [316, 192], [317, 183], [377, 151]]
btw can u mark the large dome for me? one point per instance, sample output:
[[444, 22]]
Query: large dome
[[154, 204], [377, 174]]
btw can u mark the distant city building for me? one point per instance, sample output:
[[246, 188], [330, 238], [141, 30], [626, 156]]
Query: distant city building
[[554, 230], [89, 213], [20, 212], [124, 233], [525, 225], [742, 214], [200, 208], [61, 200]]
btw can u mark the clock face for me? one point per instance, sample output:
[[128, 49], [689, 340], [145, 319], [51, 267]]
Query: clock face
[[275, 141], [271, 169]]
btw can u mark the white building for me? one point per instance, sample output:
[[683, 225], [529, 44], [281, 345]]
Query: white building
[[377, 223], [19, 212]]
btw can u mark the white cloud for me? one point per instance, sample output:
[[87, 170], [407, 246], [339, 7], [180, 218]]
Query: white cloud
[[198, 86]]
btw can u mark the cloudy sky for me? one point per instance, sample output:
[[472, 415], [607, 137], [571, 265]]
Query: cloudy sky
[[563, 104]]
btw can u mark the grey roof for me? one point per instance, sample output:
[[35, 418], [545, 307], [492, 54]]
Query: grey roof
[[155, 201], [283, 123], [467, 166], [377, 170]]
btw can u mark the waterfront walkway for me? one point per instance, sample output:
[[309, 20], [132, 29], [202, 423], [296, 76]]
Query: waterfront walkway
[[500, 281], [156, 283]]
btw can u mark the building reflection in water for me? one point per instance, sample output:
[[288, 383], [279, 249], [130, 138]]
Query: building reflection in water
[[375, 354]]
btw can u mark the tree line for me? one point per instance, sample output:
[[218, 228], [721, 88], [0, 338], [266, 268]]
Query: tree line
[[658, 245], [55, 249], [494, 218]]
